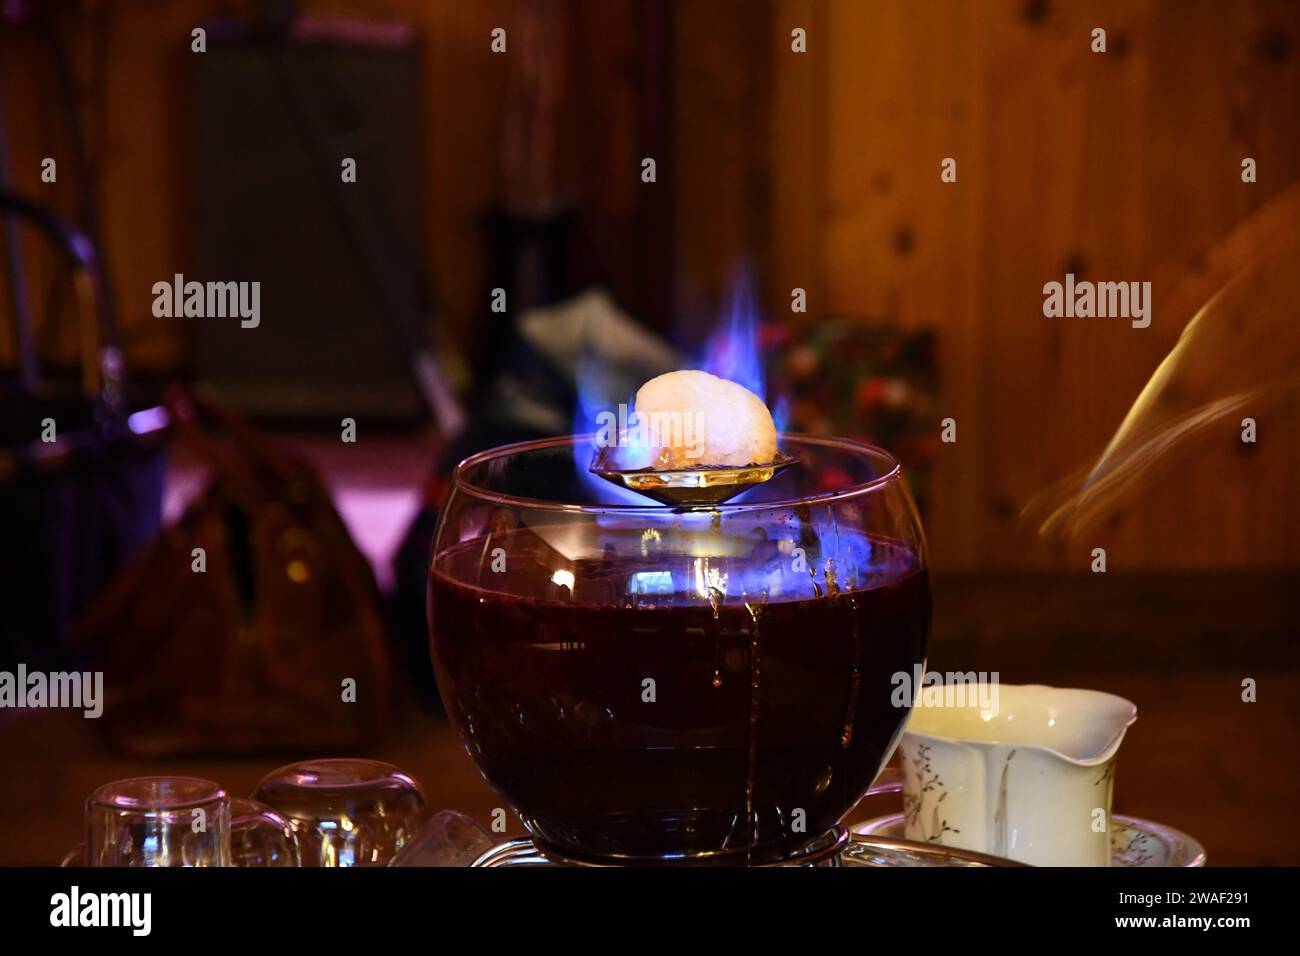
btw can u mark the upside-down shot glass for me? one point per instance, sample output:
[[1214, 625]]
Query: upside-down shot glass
[[259, 836], [345, 812], [179, 821]]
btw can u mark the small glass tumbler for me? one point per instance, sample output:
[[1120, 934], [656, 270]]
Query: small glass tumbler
[[259, 836], [447, 838], [173, 821], [345, 812]]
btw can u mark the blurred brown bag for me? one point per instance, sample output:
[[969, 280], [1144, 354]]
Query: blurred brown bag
[[256, 652]]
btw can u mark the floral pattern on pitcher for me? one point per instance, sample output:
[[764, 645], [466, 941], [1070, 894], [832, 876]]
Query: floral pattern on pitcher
[[921, 773]]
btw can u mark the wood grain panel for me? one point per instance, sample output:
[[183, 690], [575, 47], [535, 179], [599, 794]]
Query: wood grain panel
[[1115, 166], [823, 169], [721, 122]]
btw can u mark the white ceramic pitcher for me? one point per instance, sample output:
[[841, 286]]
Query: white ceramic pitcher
[[1029, 777]]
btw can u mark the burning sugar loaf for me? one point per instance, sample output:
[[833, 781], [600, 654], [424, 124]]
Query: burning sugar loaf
[[692, 419]]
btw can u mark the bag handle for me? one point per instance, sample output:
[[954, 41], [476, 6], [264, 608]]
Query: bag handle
[[101, 358], [229, 445]]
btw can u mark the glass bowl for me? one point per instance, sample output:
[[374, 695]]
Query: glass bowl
[[650, 683]]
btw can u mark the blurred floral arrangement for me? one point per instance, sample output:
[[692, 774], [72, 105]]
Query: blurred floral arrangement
[[860, 379]]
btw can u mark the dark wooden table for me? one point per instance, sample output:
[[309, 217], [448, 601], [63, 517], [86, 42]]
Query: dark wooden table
[[1178, 645], [1197, 758]]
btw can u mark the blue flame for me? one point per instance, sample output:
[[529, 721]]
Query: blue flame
[[732, 351], [780, 414], [600, 392]]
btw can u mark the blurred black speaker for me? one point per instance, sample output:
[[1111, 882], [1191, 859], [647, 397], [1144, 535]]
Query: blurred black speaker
[[342, 299]]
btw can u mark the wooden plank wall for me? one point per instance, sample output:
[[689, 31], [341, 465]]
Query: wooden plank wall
[[144, 180], [722, 122], [611, 101], [822, 169], [1122, 166]]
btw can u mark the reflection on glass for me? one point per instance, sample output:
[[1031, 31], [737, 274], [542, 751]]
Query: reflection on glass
[[345, 812]]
